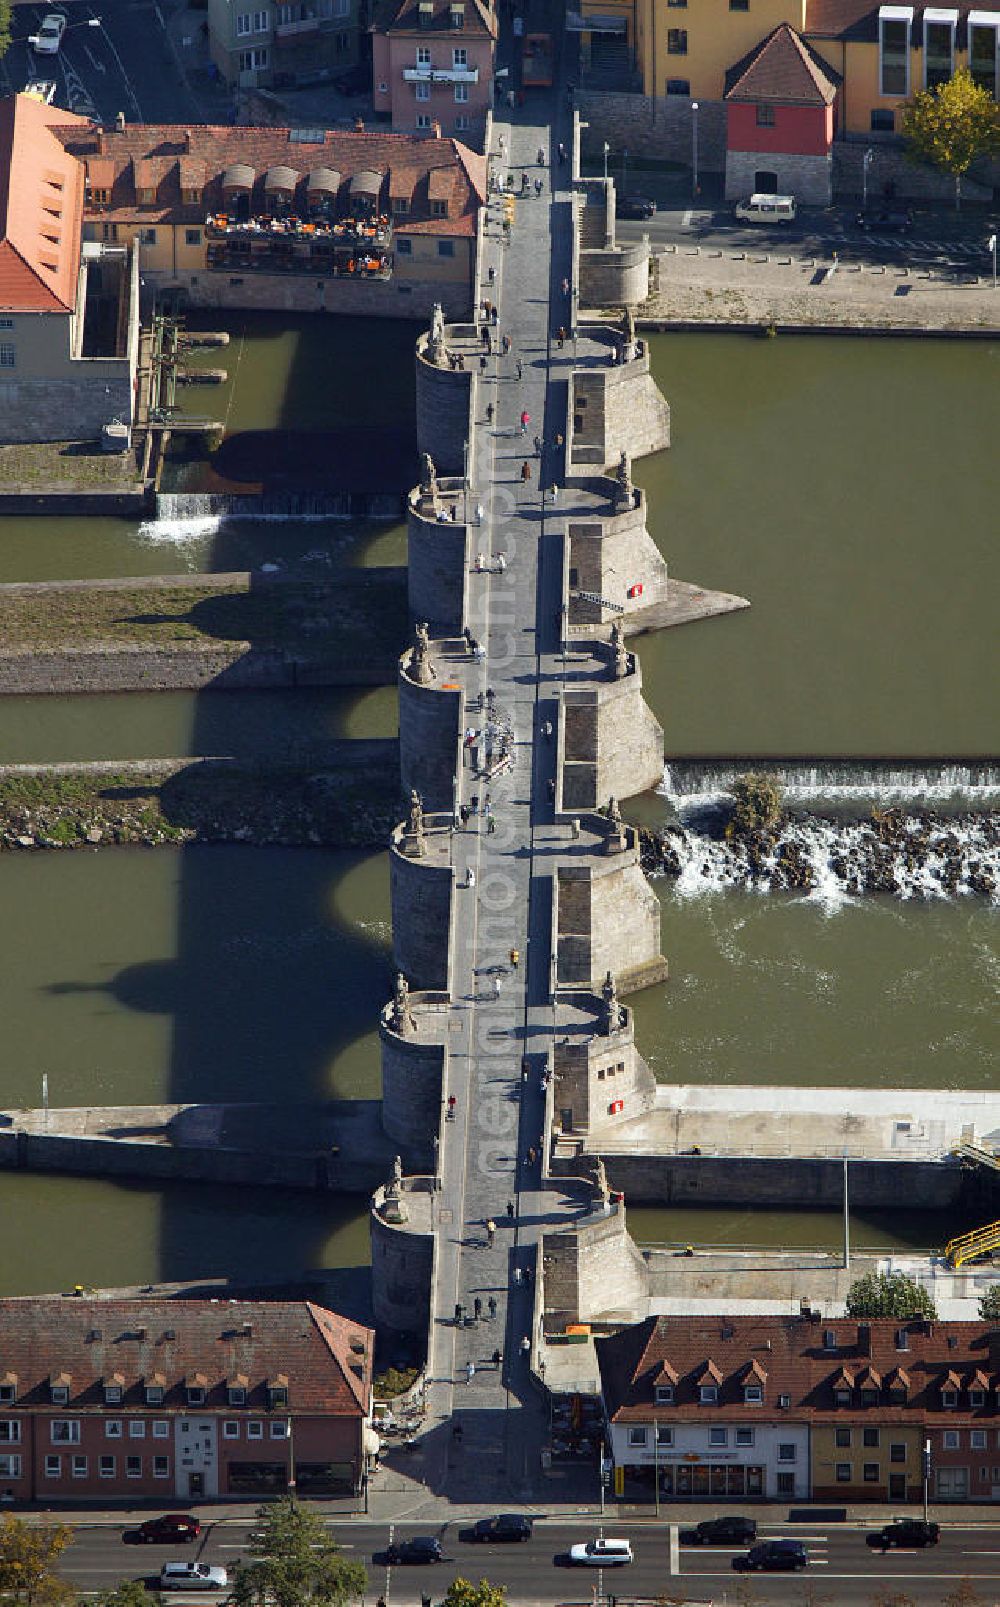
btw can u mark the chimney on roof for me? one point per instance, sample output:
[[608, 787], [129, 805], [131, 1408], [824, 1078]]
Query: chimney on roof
[[359, 125], [120, 123], [864, 1338], [247, 1330], [435, 129]]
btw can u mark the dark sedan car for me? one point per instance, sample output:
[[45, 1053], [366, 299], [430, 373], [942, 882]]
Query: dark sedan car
[[169, 1529], [728, 1531], [508, 1526], [773, 1556], [886, 221], [634, 206], [905, 1532], [422, 1548]]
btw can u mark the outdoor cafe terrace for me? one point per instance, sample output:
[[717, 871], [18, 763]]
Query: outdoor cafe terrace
[[315, 239]]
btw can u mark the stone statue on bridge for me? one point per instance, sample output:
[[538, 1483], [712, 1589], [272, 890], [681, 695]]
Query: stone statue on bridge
[[624, 489], [415, 825], [421, 668], [630, 346], [393, 1209], [615, 840], [612, 1014], [437, 351], [428, 477], [619, 652], [602, 1190], [402, 1016]]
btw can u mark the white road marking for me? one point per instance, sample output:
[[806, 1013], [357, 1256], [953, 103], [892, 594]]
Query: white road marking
[[98, 66], [675, 1549], [686, 219]]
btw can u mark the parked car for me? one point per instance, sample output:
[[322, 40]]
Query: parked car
[[161, 1531], [727, 1531], [422, 1548], [773, 1556], [43, 89], [886, 221], [47, 40], [192, 1576], [763, 208], [634, 206], [601, 1554], [508, 1526], [905, 1532]]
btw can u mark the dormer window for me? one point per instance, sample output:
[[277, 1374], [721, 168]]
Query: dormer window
[[236, 1390], [426, 13], [155, 1389], [114, 1391], [100, 196], [457, 16], [753, 1394], [277, 1393], [60, 1394], [869, 1396], [829, 1339], [191, 197], [949, 1399], [145, 196], [8, 1389], [664, 1395], [842, 1395], [708, 1394], [977, 1397], [195, 1395]]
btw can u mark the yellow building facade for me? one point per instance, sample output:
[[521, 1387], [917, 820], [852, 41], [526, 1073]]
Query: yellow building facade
[[859, 1461], [684, 48]]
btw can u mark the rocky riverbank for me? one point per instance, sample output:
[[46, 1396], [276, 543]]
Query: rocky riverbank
[[209, 801], [906, 854]]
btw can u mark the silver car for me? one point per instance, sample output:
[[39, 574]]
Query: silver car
[[192, 1576]]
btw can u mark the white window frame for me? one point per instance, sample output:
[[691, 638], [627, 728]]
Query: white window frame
[[279, 1428], [423, 119], [261, 22], [137, 1428], [60, 1394], [53, 1465], [985, 22], [664, 1394], [112, 1394], [664, 1434], [243, 27], [112, 1428], [744, 1436], [708, 1394], [459, 56], [753, 1394], [788, 1451], [133, 1472], [10, 1465], [938, 16], [636, 1435], [64, 1431], [717, 1437], [107, 1465], [977, 1398], [461, 94], [81, 1466], [423, 55], [949, 1399], [10, 1431], [843, 1473], [977, 1439], [895, 14], [951, 1439], [161, 1429], [255, 1429], [8, 1392], [421, 91], [230, 1429], [161, 1467]]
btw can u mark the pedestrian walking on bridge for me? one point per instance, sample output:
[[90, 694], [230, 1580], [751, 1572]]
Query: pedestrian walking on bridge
[[491, 1233], [525, 471]]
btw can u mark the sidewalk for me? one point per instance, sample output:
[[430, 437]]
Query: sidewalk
[[703, 287]]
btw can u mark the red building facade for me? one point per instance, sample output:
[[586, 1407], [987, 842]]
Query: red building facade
[[149, 1399], [781, 111]]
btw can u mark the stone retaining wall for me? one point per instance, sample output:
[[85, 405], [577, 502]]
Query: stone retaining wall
[[818, 1182]]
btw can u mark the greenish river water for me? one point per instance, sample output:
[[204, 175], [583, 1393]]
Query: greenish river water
[[847, 488]]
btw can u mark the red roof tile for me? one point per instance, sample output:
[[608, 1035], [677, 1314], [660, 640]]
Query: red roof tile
[[41, 208], [782, 69], [176, 156], [326, 1359]]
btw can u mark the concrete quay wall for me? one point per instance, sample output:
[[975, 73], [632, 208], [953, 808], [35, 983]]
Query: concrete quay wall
[[805, 1180], [617, 409]]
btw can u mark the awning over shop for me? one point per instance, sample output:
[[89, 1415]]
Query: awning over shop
[[367, 183], [238, 177]]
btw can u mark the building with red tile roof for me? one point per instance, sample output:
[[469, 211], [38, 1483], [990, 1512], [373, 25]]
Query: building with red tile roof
[[794, 1407], [68, 324], [377, 223], [432, 64], [781, 120], [185, 1399]]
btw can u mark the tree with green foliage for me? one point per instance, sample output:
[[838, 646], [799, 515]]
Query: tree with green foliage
[[952, 126], [888, 1294], [295, 1560], [989, 1303], [129, 1593], [28, 1555], [462, 1593], [756, 804]]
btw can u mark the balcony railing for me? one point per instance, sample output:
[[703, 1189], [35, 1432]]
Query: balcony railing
[[372, 234], [284, 30], [441, 75], [321, 260]]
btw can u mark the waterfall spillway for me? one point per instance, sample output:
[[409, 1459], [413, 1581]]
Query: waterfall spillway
[[186, 515], [692, 784]]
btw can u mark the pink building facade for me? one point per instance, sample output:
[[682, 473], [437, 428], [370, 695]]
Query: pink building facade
[[432, 66]]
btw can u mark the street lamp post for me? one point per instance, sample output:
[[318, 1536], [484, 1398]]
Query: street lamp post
[[991, 245], [927, 1477], [866, 162], [694, 147], [624, 168], [607, 149]]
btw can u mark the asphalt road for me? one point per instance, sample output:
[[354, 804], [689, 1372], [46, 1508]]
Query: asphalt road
[[843, 1570], [934, 240], [123, 65]]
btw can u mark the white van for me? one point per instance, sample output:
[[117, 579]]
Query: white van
[[766, 209]]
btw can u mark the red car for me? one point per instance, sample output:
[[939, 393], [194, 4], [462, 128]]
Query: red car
[[171, 1527]]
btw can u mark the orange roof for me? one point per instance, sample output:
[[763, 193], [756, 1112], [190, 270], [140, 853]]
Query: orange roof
[[41, 208]]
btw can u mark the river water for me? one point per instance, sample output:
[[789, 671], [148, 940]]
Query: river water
[[216, 973]]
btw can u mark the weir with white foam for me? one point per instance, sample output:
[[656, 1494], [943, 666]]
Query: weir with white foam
[[187, 515], [691, 784]]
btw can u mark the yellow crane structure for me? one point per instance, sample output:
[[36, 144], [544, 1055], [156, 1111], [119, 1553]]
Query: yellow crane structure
[[970, 1246]]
